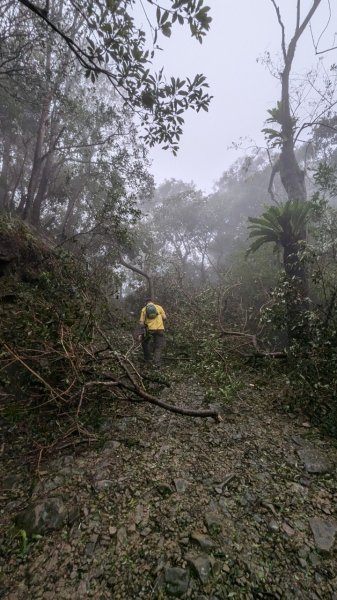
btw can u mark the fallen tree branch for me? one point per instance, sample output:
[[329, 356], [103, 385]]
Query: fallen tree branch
[[136, 389], [156, 380], [127, 371], [250, 336], [281, 355], [253, 339], [175, 409]]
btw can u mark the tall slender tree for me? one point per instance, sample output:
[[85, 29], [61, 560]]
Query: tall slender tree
[[292, 176]]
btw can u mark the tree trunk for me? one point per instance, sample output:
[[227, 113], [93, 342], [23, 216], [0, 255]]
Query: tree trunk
[[148, 277], [4, 187], [75, 190], [66, 224], [37, 160], [292, 176], [40, 139], [18, 170], [42, 191], [296, 293]]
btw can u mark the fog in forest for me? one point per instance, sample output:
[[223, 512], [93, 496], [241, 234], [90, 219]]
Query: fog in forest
[[157, 159], [82, 126], [168, 246]]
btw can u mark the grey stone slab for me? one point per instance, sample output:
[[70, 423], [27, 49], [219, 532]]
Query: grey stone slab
[[324, 533], [315, 461]]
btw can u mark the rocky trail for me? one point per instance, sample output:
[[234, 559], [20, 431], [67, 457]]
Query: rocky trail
[[171, 506]]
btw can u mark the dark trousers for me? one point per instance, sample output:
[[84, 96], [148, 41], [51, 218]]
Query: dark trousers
[[153, 344]]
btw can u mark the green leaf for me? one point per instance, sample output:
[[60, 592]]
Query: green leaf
[[258, 243], [164, 17], [166, 30]]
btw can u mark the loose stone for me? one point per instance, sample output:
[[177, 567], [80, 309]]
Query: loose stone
[[314, 461], [324, 533], [202, 565], [176, 580], [204, 542]]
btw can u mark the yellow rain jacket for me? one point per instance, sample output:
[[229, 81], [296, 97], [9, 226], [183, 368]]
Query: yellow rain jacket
[[155, 324]]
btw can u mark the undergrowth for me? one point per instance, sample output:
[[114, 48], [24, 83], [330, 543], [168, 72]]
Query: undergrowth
[[51, 311]]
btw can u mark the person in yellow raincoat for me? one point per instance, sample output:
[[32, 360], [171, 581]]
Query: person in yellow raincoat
[[151, 320]]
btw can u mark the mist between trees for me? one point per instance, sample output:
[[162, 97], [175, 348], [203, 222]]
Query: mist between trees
[[253, 264]]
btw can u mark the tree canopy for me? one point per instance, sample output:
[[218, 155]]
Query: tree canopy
[[106, 40]]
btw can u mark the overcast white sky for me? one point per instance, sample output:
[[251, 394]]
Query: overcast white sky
[[243, 89]]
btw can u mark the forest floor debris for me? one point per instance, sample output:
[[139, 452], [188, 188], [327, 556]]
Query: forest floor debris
[[171, 506]]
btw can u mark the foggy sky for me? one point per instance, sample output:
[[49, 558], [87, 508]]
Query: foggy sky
[[243, 89]]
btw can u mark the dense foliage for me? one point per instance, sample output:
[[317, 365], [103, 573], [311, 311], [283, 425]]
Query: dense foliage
[[50, 306]]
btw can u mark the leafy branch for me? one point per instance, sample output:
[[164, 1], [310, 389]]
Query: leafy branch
[[117, 49]]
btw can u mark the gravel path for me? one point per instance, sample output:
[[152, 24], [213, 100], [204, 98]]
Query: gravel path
[[174, 506]]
